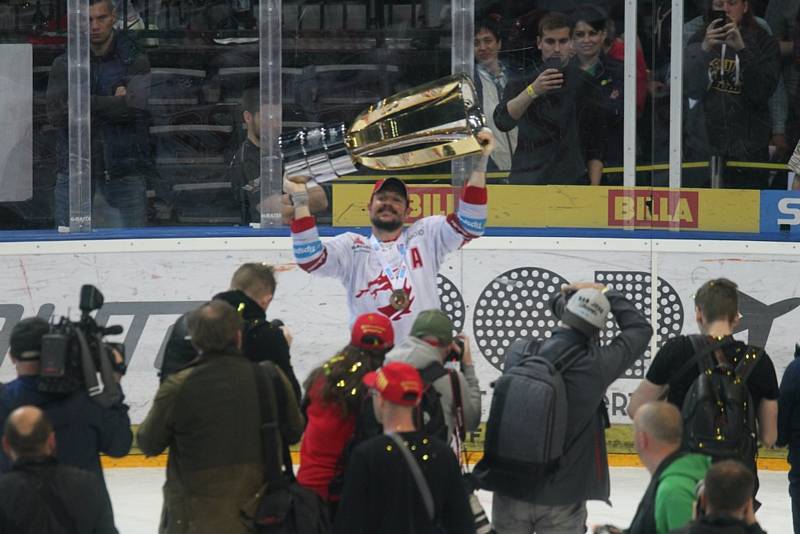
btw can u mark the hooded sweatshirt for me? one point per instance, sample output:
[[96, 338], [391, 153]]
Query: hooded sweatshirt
[[734, 89], [420, 355]]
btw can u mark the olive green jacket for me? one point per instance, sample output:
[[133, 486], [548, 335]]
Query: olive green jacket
[[208, 416]]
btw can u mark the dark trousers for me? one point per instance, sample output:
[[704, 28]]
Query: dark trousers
[[794, 485]]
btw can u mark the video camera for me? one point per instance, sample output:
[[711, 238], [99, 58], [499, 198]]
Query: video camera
[[74, 354]]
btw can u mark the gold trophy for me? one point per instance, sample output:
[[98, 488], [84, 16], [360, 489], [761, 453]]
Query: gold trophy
[[428, 124]]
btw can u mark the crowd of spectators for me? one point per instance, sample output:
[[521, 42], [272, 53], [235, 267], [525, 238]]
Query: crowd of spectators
[[174, 136]]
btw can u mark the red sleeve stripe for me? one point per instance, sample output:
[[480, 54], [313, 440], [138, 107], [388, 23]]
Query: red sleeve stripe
[[302, 224], [315, 264], [475, 195]]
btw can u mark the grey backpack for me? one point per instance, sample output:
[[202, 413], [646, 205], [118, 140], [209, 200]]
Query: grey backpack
[[525, 433]]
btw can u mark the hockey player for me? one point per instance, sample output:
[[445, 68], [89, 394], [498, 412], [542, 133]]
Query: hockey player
[[393, 271]]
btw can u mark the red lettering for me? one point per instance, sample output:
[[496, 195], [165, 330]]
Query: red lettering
[[416, 258]]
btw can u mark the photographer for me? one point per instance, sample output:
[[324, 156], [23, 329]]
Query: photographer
[[556, 108], [732, 69], [553, 499], [83, 428], [429, 346], [252, 289]]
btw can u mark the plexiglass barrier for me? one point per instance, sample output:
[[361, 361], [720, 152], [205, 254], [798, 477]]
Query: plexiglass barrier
[[614, 116]]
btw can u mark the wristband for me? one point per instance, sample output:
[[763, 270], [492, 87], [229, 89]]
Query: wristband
[[299, 198], [531, 91]]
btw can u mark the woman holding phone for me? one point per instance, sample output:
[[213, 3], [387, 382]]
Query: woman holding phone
[[731, 69]]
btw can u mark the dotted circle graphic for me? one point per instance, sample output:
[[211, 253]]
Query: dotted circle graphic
[[636, 287], [451, 302], [515, 304]]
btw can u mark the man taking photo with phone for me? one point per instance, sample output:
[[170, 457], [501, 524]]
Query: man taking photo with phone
[[556, 109]]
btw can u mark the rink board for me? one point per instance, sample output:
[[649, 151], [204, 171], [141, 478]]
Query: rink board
[[496, 288]]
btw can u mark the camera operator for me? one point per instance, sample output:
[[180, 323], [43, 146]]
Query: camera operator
[[83, 428], [429, 347], [252, 289]]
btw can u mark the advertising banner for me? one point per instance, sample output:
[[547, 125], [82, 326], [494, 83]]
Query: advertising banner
[[780, 211], [712, 210], [496, 290]]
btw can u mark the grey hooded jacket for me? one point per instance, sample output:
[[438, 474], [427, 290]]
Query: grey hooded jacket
[[419, 354], [582, 473]]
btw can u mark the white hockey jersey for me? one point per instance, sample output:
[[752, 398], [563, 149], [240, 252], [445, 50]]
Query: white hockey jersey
[[350, 258]]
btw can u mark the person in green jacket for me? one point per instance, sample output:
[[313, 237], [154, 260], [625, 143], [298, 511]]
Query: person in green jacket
[[669, 500], [208, 416]]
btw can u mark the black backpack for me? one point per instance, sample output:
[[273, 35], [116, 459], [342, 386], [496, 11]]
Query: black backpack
[[179, 353], [430, 413], [719, 418]]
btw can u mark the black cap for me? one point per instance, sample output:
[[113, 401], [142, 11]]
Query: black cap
[[26, 338]]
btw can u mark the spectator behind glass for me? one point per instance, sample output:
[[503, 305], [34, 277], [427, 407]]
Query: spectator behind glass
[[491, 78], [120, 150], [244, 170], [42, 495], [335, 407], [726, 502], [588, 41], [695, 140], [782, 17], [732, 69], [556, 107]]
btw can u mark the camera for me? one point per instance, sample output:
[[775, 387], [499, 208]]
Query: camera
[[456, 354], [75, 355]]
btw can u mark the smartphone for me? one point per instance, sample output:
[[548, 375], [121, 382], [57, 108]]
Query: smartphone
[[553, 62], [718, 14]]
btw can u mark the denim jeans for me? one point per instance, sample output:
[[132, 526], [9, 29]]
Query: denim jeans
[[117, 203], [510, 516]]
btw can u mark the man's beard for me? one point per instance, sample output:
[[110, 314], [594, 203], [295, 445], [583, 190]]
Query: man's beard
[[386, 226]]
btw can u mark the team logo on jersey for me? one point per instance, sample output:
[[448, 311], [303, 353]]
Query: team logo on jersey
[[382, 284], [359, 245]]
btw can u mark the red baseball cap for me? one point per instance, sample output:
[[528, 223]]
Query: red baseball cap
[[393, 183], [372, 331], [397, 382]]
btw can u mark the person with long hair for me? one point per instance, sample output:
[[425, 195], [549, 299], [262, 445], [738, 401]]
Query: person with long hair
[[588, 42], [334, 396]]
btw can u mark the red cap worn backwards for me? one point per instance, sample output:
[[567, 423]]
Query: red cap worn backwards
[[392, 183], [372, 331], [396, 382]]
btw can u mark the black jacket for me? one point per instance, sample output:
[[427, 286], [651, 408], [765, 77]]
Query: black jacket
[[789, 405], [120, 144], [558, 133], [40, 496], [262, 341], [83, 428], [719, 525], [734, 93]]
